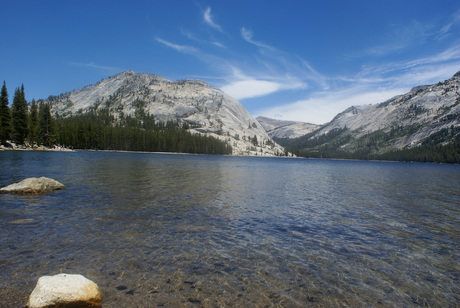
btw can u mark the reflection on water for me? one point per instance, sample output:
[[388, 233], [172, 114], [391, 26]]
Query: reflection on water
[[185, 230]]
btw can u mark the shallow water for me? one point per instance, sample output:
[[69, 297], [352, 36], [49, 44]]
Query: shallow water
[[188, 230]]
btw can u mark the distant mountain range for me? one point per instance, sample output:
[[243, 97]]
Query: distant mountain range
[[286, 129], [204, 109], [421, 125]]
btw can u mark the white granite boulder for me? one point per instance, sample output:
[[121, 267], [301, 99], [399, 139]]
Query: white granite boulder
[[65, 290], [33, 186]]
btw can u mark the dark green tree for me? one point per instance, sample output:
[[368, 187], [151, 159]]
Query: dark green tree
[[254, 140], [5, 116], [33, 123], [47, 126], [19, 116]]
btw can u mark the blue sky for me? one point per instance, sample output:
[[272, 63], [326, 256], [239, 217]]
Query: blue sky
[[291, 60]]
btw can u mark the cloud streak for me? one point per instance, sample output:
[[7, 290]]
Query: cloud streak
[[445, 30], [317, 97], [207, 17], [372, 85], [323, 106], [109, 69], [251, 88], [247, 36], [177, 47]]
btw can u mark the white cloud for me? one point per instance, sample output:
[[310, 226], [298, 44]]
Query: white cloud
[[246, 86], [250, 88], [423, 70], [247, 35], [208, 20], [446, 30], [372, 85], [180, 48], [314, 75], [219, 44], [271, 70], [412, 34], [324, 106], [96, 66]]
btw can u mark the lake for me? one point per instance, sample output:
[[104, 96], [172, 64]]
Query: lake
[[190, 230]]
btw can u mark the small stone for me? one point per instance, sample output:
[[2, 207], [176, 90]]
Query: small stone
[[65, 290]]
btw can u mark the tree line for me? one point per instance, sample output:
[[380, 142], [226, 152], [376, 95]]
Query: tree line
[[23, 123], [98, 129], [440, 147]]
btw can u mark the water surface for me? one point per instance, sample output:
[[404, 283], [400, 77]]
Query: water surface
[[189, 230]]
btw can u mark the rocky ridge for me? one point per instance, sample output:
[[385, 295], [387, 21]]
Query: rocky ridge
[[206, 109], [286, 129], [423, 111], [422, 119]]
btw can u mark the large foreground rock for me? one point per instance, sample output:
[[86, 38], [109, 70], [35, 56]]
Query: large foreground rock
[[33, 186], [65, 290]]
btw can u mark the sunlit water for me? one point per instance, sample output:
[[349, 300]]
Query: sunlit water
[[185, 230]]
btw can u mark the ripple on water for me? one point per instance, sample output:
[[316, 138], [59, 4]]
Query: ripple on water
[[183, 230]]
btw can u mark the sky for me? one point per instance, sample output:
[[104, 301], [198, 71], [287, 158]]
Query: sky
[[299, 60]]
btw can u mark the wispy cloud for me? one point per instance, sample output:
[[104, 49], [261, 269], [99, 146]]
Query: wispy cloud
[[251, 88], [413, 71], [323, 106], [218, 44], [317, 97], [314, 75], [371, 85], [207, 17], [400, 38], [93, 65], [194, 37], [177, 47], [446, 30], [247, 35], [416, 34], [244, 86]]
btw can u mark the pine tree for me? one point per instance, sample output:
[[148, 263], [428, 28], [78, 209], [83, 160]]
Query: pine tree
[[47, 126], [33, 123], [5, 116], [19, 116]]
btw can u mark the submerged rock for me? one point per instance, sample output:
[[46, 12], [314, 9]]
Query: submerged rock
[[65, 290], [33, 186], [25, 221]]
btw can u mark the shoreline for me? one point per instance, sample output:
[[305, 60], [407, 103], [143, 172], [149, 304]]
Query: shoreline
[[27, 147]]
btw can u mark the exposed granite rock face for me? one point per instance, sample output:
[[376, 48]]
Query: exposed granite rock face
[[207, 110], [421, 112], [286, 129], [65, 290], [33, 186]]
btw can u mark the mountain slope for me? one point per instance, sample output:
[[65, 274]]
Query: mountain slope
[[207, 110], [286, 129], [425, 115]]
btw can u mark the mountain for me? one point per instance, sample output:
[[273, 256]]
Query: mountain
[[206, 110], [423, 121], [286, 129]]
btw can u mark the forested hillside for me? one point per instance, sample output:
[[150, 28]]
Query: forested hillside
[[206, 110], [33, 124], [100, 131], [440, 147], [422, 125]]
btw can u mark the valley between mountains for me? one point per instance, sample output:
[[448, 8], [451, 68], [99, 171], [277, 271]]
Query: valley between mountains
[[422, 125]]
